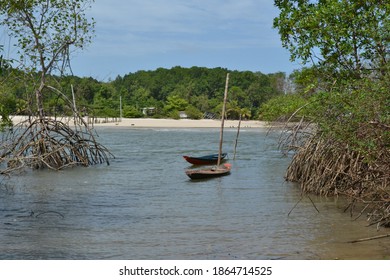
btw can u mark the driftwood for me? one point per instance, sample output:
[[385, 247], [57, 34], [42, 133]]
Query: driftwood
[[370, 238]]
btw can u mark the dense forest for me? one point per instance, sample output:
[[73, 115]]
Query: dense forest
[[197, 91]]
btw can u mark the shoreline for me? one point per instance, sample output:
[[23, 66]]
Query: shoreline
[[182, 123], [157, 123]]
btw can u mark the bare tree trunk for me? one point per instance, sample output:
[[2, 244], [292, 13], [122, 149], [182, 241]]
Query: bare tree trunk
[[39, 98]]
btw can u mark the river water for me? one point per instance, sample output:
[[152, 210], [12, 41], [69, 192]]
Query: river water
[[143, 206]]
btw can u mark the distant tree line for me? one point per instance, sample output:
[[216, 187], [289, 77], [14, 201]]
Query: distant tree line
[[165, 92]]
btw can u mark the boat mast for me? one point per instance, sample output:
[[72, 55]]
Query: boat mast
[[223, 120]]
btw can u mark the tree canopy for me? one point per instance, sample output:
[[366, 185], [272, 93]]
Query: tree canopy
[[45, 31], [348, 38], [342, 141], [199, 88]]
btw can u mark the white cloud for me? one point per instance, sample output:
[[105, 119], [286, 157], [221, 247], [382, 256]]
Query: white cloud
[[139, 27], [134, 35]]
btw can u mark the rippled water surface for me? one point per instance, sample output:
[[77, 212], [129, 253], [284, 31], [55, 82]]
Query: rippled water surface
[[142, 206]]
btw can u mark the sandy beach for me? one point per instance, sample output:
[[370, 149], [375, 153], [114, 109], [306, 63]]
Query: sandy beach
[[150, 122], [184, 123]]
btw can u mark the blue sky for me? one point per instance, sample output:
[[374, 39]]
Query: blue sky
[[134, 35], [137, 35]]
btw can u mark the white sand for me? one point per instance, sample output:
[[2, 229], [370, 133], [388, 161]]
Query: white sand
[[149, 122], [184, 123]]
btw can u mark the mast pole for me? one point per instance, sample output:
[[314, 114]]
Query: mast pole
[[223, 120]]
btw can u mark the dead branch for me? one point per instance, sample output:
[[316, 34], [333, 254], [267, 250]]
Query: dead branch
[[370, 238]]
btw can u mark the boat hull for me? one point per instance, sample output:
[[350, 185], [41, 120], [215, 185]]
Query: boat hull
[[205, 160], [206, 173]]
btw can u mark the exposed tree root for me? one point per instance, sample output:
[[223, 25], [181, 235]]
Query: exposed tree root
[[328, 167], [50, 143]]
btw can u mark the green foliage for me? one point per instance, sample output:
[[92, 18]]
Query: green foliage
[[281, 108], [193, 113], [358, 116], [199, 87], [352, 37], [7, 107], [131, 112], [175, 103], [173, 114], [307, 81], [349, 90], [4, 63], [347, 147], [8, 104], [45, 30], [194, 90]]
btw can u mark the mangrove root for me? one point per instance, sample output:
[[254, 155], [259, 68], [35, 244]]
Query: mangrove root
[[328, 167], [50, 143]]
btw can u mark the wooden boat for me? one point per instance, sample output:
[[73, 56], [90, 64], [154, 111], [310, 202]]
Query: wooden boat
[[205, 160], [205, 173], [218, 170]]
